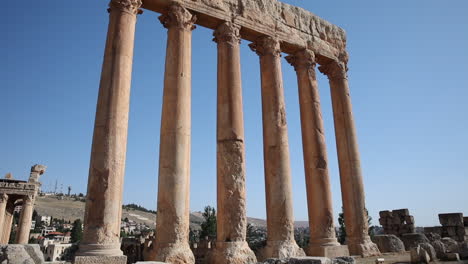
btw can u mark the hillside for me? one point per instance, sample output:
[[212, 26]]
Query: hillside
[[70, 210]]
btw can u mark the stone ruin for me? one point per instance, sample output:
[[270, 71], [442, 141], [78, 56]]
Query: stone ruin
[[397, 222], [272, 28], [14, 193], [454, 225]]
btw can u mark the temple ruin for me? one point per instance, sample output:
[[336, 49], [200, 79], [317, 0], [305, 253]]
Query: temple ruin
[[18, 193], [272, 28]]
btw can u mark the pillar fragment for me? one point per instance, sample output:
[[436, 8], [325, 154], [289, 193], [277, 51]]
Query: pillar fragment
[[231, 245], [323, 241], [103, 209], [172, 221], [278, 190], [7, 222], [3, 204], [352, 186], [25, 220]]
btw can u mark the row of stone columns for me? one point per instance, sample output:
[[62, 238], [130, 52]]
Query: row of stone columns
[[7, 208], [103, 206]]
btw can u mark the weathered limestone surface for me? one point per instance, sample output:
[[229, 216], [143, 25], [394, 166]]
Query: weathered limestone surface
[[172, 222], [24, 224], [100, 260], [10, 207], [24, 254], [413, 239], [280, 219], [322, 231], [352, 186], [3, 204], [107, 166], [388, 243], [232, 220], [295, 27]]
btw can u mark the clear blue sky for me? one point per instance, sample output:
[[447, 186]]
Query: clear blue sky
[[409, 86]]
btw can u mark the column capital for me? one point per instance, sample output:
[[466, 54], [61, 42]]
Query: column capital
[[129, 6], [266, 45], [227, 32], [179, 17], [302, 59], [3, 197], [28, 199], [336, 69]]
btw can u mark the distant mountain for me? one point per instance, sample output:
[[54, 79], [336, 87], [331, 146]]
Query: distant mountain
[[70, 209]]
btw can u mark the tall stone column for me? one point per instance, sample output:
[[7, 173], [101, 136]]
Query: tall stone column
[[8, 221], [25, 221], [231, 245], [352, 187], [103, 209], [3, 204], [323, 241], [172, 221], [280, 219]]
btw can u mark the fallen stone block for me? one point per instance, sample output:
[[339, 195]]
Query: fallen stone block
[[388, 243], [439, 248], [24, 254], [424, 256], [429, 250], [343, 260], [411, 240], [385, 214], [434, 230], [463, 250], [452, 257], [415, 253], [309, 260], [451, 245], [453, 219]]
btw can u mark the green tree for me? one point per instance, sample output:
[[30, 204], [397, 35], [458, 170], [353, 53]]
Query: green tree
[[208, 227], [342, 229], [256, 238], [77, 231]]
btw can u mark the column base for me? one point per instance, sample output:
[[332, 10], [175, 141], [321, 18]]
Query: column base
[[174, 253], [98, 250], [231, 253], [329, 251], [280, 250], [363, 247], [100, 260]]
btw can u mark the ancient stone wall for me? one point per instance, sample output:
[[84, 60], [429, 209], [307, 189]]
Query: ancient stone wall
[[397, 222]]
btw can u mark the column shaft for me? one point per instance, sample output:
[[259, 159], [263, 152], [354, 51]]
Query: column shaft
[[231, 246], [25, 220], [172, 222], [107, 166], [9, 211], [278, 190], [352, 186], [3, 204], [323, 241]]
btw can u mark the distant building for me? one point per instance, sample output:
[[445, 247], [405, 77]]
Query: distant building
[[47, 230], [43, 219], [55, 252]]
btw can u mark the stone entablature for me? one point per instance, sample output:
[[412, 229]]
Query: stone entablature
[[295, 28]]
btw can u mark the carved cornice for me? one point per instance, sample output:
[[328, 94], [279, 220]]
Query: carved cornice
[[129, 6], [302, 59], [227, 32], [179, 17], [266, 45]]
